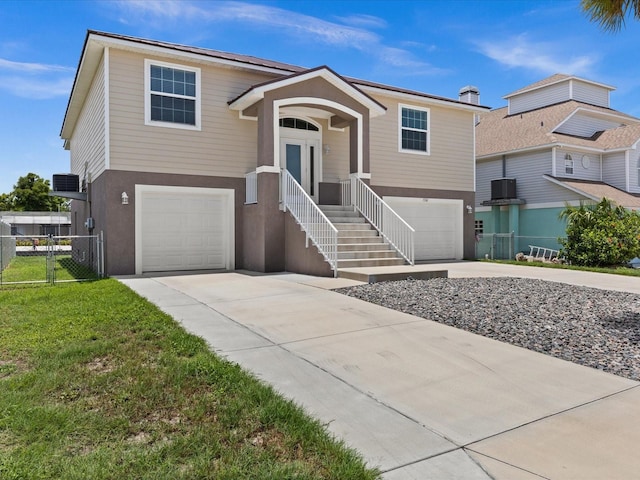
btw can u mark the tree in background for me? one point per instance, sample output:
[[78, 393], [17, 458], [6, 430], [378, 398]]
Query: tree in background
[[610, 14], [31, 194], [601, 235]]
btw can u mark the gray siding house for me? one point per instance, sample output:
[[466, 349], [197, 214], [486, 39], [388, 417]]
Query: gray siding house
[[557, 142], [192, 159]]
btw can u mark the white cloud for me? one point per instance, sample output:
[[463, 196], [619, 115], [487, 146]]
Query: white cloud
[[352, 33], [35, 81], [37, 88], [363, 21], [520, 52], [31, 67]]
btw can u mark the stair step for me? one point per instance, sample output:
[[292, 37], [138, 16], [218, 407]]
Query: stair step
[[359, 247], [363, 237], [336, 208], [341, 214], [353, 226], [346, 219], [367, 254], [357, 233], [370, 262]]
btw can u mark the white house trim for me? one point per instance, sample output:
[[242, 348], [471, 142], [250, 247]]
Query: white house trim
[[107, 123], [626, 169]]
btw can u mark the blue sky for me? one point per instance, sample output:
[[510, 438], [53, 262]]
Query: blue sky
[[431, 46]]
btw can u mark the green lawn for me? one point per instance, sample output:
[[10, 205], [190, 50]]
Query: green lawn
[[631, 272], [95, 382], [34, 269]]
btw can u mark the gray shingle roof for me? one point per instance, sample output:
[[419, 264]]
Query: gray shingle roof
[[599, 190], [499, 133]]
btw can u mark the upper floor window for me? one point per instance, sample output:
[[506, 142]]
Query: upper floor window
[[172, 95], [414, 129], [568, 164], [638, 171]]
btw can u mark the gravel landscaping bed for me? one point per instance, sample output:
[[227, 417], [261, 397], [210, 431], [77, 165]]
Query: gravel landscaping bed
[[588, 326]]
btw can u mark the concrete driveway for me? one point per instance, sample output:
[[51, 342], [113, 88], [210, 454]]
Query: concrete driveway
[[418, 399]]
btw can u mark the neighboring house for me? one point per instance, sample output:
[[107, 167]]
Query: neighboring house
[[180, 151], [557, 142], [37, 223]]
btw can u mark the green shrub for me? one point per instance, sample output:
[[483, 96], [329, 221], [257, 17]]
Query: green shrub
[[600, 235]]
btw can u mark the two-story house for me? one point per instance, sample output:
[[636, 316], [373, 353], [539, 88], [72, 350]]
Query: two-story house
[[190, 158], [556, 143]]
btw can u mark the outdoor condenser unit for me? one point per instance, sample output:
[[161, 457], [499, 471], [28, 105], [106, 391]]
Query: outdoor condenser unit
[[503, 188], [66, 182]]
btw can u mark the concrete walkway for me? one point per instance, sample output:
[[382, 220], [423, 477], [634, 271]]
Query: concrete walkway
[[418, 399]]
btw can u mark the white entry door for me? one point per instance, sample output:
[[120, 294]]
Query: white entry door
[[301, 157]]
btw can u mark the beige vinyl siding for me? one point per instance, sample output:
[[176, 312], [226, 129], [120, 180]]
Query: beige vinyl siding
[[87, 140], [450, 164], [486, 171], [226, 146], [613, 170], [335, 164]]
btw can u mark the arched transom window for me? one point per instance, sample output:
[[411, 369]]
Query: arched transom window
[[298, 124]]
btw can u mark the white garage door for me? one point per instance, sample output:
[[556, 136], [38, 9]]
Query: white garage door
[[183, 228], [438, 226]]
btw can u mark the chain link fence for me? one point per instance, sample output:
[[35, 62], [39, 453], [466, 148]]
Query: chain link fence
[[505, 246], [50, 259]]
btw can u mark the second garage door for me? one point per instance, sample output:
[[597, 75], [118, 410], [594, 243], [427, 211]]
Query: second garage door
[[438, 226], [183, 228]]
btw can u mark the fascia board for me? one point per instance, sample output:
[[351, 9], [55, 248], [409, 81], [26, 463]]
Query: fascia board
[[420, 98]]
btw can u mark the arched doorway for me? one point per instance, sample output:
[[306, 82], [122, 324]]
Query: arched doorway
[[300, 152]]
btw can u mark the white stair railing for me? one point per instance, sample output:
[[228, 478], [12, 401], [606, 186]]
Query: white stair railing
[[317, 227], [391, 226]]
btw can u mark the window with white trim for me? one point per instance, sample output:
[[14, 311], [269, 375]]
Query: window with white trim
[[638, 171], [172, 95], [413, 133], [568, 164]]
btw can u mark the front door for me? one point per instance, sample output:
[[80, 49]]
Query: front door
[[301, 158]]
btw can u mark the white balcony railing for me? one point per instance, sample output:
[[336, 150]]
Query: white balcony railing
[[251, 187], [313, 222], [391, 226]]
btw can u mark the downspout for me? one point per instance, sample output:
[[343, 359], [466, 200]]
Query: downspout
[[553, 162]]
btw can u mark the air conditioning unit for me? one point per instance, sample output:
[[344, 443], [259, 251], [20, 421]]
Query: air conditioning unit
[[66, 182], [503, 188]]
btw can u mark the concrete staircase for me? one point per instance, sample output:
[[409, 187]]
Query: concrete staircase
[[359, 244]]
